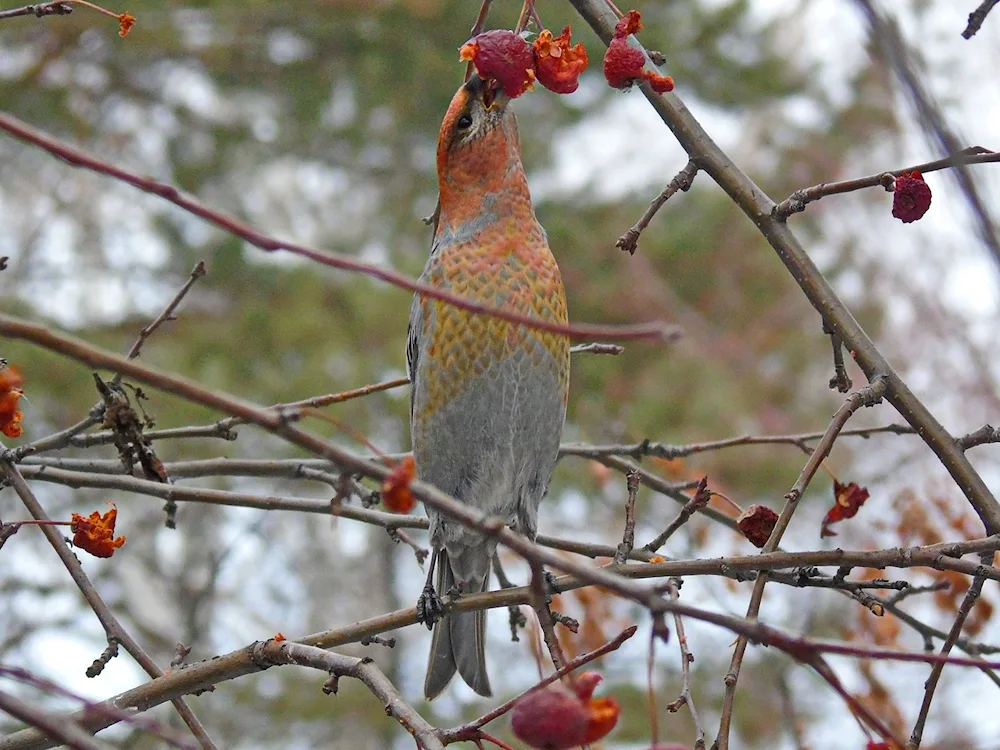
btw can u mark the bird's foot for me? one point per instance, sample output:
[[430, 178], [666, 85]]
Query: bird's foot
[[430, 608], [517, 621]]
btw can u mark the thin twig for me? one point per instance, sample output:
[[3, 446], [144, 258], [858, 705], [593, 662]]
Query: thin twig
[[869, 395], [840, 380], [671, 452], [596, 348], [398, 535], [540, 603], [698, 501], [515, 617], [944, 556], [681, 182], [59, 439], [232, 225], [797, 201], [885, 33], [135, 720], [54, 725], [673, 591], [273, 652], [757, 206], [977, 17], [202, 675], [55, 8], [113, 629], [494, 528], [985, 434], [971, 597], [628, 538], [197, 272]]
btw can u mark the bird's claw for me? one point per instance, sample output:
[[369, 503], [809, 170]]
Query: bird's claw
[[430, 608]]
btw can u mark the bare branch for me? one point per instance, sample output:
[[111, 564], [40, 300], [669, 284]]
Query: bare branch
[[673, 590], [115, 632], [885, 33], [55, 8], [78, 158], [697, 502], [628, 538], [682, 181], [977, 17], [197, 272], [971, 597], [798, 200], [275, 653], [870, 395], [57, 727], [758, 206]]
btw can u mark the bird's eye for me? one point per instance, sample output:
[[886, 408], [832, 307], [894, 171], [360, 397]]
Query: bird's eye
[[464, 122]]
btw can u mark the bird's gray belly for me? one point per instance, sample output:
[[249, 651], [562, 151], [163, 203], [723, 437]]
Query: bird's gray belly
[[495, 445]]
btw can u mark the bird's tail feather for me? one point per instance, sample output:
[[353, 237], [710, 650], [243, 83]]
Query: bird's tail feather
[[459, 640]]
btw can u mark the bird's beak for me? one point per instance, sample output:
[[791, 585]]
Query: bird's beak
[[493, 98]]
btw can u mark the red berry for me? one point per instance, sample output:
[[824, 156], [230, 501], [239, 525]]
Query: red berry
[[557, 65], [757, 522], [502, 56], [622, 64], [911, 197], [553, 718]]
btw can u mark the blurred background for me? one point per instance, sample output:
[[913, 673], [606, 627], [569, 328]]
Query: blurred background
[[316, 121]]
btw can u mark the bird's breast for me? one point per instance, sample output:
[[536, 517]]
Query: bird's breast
[[459, 345]]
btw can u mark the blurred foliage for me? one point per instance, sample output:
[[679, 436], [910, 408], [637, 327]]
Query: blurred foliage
[[317, 120]]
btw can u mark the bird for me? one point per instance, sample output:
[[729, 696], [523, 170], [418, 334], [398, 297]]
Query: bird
[[488, 397]]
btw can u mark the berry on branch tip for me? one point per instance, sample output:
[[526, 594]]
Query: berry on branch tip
[[911, 197]]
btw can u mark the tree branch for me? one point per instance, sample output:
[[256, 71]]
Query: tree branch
[[77, 158], [116, 634]]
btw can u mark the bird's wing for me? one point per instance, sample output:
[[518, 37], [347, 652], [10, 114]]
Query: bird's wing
[[413, 347]]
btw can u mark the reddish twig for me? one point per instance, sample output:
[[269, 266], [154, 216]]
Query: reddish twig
[[232, 225], [137, 721]]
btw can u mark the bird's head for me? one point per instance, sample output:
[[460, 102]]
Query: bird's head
[[478, 138]]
